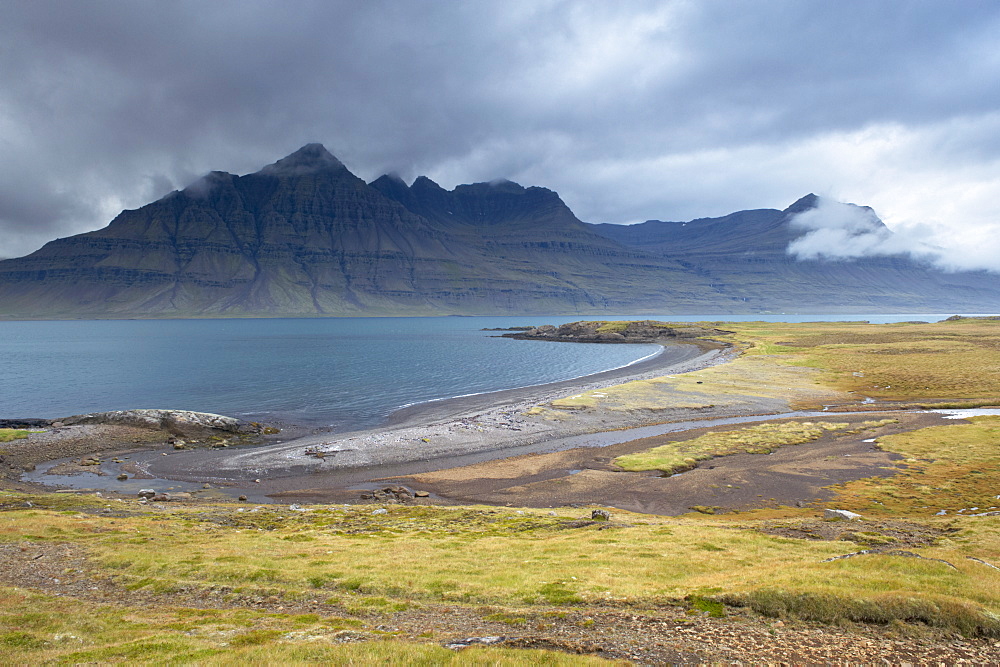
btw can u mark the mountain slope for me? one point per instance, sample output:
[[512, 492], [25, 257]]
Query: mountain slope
[[305, 237], [745, 254]]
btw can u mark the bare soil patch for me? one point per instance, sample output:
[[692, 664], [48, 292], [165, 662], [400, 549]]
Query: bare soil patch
[[790, 475]]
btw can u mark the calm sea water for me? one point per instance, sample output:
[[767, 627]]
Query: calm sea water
[[345, 373]]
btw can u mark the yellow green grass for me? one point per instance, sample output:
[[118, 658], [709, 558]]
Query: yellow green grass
[[43, 629], [957, 359], [359, 564], [815, 363], [679, 456], [364, 569], [8, 434], [949, 467]]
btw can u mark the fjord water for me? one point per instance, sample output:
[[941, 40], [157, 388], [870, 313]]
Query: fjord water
[[344, 373]]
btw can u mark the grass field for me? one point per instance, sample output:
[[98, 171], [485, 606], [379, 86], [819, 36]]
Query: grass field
[[928, 533], [809, 365]]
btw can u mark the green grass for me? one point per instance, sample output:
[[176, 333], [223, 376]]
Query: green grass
[[8, 434], [682, 455], [364, 568], [948, 467], [41, 629], [512, 561]]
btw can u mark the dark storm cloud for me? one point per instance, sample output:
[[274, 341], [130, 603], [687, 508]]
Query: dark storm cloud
[[631, 110]]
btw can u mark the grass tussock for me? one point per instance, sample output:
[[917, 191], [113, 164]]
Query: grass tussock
[[8, 434], [934, 611], [679, 456]]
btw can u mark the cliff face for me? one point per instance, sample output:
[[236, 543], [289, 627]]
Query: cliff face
[[304, 236]]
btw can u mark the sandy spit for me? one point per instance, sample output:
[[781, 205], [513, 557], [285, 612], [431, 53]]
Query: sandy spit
[[442, 433]]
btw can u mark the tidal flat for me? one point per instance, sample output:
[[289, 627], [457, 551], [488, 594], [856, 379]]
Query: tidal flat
[[718, 546]]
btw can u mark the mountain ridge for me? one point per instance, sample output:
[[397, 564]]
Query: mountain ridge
[[304, 236]]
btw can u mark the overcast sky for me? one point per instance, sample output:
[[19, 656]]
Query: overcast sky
[[630, 110]]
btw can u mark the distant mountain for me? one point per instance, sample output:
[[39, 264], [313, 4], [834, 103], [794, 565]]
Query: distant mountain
[[746, 253], [306, 237]]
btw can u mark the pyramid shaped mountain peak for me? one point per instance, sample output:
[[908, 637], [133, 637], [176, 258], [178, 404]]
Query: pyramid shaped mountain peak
[[308, 159], [804, 204]]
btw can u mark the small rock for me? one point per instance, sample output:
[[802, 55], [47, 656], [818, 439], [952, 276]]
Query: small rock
[[122, 477], [57, 424], [242, 499], [180, 444], [146, 493], [161, 498], [841, 515], [206, 486], [381, 510], [183, 495], [600, 515], [421, 494], [256, 481], [470, 641]]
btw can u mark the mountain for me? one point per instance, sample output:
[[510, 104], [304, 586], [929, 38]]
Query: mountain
[[306, 237], [746, 254]]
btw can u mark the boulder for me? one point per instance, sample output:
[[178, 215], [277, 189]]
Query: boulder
[[146, 493], [600, 515]]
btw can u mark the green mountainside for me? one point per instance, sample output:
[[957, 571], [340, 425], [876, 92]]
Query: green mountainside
[[306, 237]]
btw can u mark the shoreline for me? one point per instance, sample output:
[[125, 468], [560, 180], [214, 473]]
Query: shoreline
[[434, 435], [419, 437], [663, 362]]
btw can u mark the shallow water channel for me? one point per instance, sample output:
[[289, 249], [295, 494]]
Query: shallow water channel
[[104, 476]]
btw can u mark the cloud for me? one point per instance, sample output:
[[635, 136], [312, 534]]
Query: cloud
[[837, 231], [631, 110], [834, 230]]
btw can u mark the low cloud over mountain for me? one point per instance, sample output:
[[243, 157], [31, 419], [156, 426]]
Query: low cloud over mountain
[[837, 231]]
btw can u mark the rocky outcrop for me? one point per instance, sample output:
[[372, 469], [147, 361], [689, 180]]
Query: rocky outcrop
[[645, 331], [178, 422]]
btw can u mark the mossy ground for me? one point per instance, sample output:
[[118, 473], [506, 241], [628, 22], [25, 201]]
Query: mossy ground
[[759, 439], [8, 434], [358, 568]]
